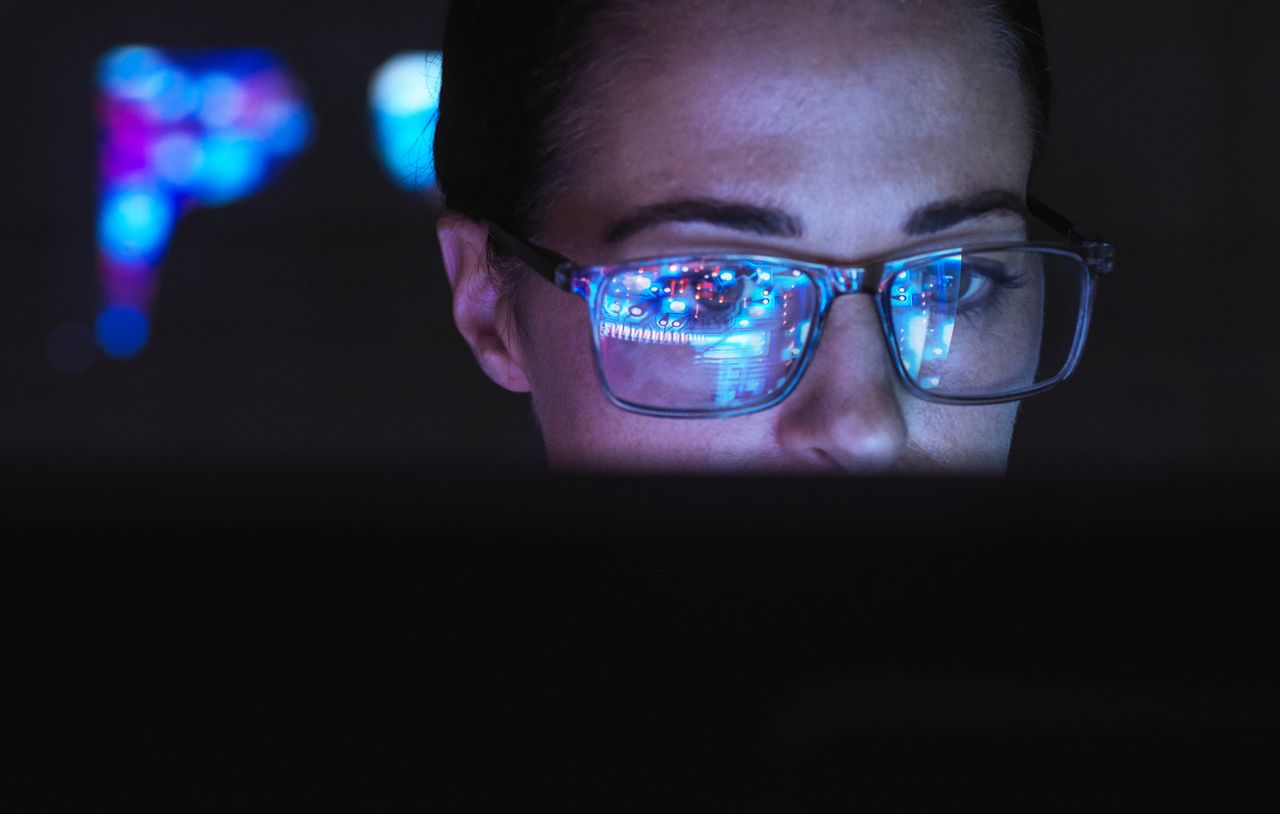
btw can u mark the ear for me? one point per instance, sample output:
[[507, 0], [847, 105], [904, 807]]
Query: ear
[[478, 311]]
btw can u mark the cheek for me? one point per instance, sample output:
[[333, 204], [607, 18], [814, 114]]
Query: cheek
[[961, 439], [583, 430], [557, 355]]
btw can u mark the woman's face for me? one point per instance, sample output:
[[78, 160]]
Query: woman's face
[[850, 119]]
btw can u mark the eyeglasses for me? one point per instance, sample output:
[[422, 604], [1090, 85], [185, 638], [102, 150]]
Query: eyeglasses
[[715, 335]]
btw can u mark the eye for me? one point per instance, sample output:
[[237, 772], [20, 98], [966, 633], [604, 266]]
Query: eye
[[978, 276]]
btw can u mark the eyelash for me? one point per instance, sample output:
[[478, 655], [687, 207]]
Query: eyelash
[[998, 277]]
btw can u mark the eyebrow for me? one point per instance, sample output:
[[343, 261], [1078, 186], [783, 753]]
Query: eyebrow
[[941, 215], [741, 217]]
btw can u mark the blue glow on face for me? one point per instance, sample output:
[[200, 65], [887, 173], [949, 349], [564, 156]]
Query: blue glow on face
[[404, 96], [134, 223], [122, 331]]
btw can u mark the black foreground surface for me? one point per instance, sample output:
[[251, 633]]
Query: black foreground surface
[[355, 642]]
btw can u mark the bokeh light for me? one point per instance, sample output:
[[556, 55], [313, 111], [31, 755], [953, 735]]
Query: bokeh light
[[179, 129], [232, 166], [404, 96], [134, 222], [122, 331]]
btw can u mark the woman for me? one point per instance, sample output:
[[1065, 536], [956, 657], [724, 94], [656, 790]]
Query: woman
[[655, 211]]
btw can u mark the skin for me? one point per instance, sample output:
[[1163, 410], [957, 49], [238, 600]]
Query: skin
[[850, 117]]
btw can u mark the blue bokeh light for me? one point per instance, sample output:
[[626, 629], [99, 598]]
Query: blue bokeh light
[[292, 131], [404, 97], [176, 158], [134, 223], [133, 72], [122, 331], [232, 167], [176, 96], [222, 100], [180, 129]]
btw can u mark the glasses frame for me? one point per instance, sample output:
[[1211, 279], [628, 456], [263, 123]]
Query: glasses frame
[[870, 276]]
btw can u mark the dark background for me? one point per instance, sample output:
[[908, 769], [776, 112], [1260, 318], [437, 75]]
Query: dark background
[[298, 554]]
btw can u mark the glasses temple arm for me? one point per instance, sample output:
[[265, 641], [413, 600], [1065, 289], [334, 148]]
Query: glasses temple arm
[[540, 260], [1075, 231]]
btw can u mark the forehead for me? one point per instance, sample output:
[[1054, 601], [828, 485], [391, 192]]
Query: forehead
[[866, 103]]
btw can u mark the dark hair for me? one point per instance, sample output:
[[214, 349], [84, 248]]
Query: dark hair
[[504, 127]]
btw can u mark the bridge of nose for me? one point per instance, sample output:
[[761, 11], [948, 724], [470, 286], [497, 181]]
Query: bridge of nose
[[850, 279]]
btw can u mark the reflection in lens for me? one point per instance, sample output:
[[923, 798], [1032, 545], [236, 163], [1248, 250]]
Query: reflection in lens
[[986, 324], [923, 302], [698, 336]]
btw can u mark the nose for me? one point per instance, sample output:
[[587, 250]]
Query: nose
[[846, 410]]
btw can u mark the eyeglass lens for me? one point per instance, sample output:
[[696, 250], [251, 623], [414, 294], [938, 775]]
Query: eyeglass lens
[[984, 324], [718, 335]]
